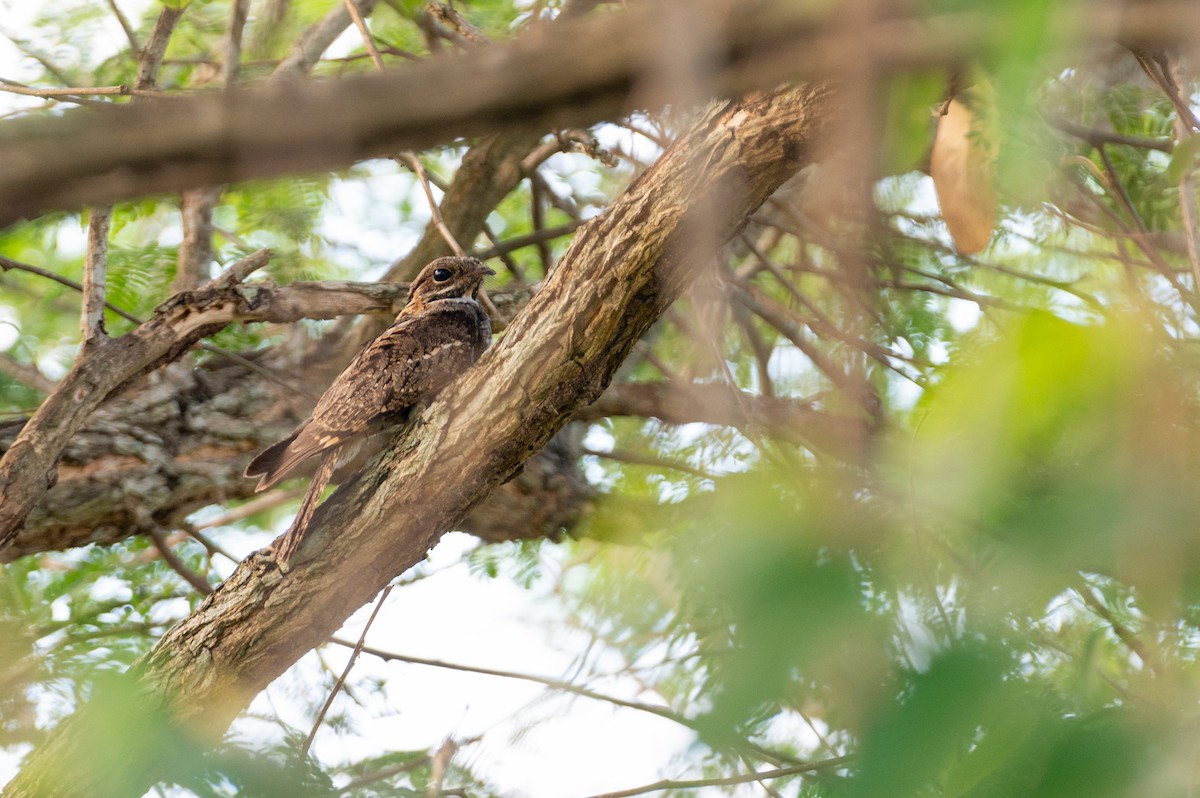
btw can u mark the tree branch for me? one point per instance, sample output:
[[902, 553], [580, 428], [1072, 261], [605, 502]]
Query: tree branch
[[620, 273], [95, 278], [580, 72], [151, 56], [315, 41], [28, 466]]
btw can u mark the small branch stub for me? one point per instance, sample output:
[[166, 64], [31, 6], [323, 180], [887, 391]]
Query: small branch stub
[[95, 274]]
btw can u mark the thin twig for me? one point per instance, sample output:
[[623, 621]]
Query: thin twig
[[1098, 138], [368, 41], [177, 565], [407, 158], [636, 458], [358, 648], [1123, 632], [13, 87], [26, 373], [207, 542], [414, 163], [265, 501], [8, 263], [566, 687], [134, 47], [507, 245], [385, 773]]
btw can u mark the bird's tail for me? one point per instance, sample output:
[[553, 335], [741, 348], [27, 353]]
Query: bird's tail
[[291, 539], [272, 463]]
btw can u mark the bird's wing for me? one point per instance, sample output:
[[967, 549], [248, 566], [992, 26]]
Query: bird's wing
[[411, 360]]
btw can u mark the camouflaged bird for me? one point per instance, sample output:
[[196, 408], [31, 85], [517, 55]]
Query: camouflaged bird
[[441, 330]]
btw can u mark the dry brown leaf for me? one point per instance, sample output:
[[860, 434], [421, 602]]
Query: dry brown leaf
[[963, 168]]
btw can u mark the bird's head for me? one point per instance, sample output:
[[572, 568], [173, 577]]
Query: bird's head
[[447, 278]]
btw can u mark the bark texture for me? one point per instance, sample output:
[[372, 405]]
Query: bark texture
[[179, 439], [623, 269], [28, 467]]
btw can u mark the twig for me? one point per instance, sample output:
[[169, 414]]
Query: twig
[[1123, 632], [26, 373], [384, 773], [358, 648], [564, 686], [441, 763], [13, 87], [41, 58], [15, 265], [134, 47], [635, 458], [508, 245], [407, 158], [368, 41], [725, 781], [1098, 138], [95, 271], [172, 559], [256, 505], [315, 41], [414, 163], [208, 544]]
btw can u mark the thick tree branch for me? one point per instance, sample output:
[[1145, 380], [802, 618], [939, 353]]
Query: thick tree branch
[[622, 270], [570, 74]]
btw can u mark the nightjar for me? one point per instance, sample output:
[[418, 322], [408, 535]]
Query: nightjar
[[439, 333]]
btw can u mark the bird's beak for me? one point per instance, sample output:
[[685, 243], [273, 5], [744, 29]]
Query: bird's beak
[[484, 270]]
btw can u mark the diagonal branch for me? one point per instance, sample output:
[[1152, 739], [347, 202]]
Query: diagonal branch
[[151, 56], [623, 269], [316, 40]]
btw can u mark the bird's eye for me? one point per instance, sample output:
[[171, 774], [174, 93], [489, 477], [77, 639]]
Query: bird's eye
[[441, 275]]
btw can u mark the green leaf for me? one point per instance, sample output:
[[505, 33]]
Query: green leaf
[[1183, 159]]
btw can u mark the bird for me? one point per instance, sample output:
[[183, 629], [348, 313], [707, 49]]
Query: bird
[[441, 331]]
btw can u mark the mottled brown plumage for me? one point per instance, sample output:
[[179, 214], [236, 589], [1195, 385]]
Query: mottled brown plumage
[[439, 333]]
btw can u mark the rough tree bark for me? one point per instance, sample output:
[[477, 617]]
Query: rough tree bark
[[621, 272]]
